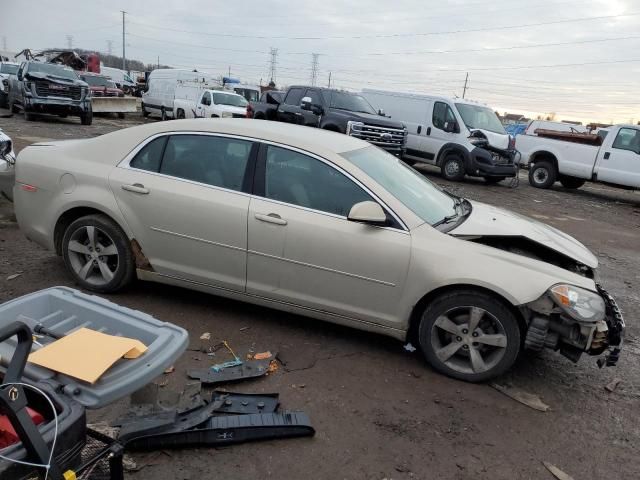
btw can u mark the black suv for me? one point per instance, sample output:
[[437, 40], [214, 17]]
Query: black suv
[[40, 87], [343, 112]]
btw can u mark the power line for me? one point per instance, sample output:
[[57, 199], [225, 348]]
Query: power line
[[399, 35]]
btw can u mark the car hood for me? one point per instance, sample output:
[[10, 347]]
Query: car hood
[[54, 79], [496, 140], [371, 119], [489, 221], [229, 108]]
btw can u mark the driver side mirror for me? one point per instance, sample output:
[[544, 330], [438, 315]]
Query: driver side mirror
[[451, 127], [305, 104], [367, 212]]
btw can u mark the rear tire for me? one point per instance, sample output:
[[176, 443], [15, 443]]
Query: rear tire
[[98, 254], [180, 114], [469, 335], [571, 182], [163, 114], [145, 113], [121, 116], [452, 167], [542, 174], [409, 161]]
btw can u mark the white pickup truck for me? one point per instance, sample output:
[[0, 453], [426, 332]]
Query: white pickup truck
[[572, 159], [193, 102]]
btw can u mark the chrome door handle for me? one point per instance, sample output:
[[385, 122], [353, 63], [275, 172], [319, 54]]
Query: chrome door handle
[[298, 114], [136, 188], [271, 218]]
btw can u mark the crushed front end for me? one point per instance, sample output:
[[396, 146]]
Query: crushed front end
[[574, 320]]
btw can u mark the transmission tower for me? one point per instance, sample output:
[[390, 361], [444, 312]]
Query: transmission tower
[[109, 47], [314, 68], [273, 62], [70, 42]]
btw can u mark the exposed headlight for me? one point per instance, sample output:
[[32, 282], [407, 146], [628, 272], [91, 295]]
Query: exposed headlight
[[351, 124], [578, 303], [227, 114]]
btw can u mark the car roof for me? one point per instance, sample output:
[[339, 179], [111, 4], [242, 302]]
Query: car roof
[[113, 147]]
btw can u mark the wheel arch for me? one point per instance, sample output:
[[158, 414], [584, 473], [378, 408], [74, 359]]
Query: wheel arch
[[71, 215], [418, 308], [544, 155], [448, 148]]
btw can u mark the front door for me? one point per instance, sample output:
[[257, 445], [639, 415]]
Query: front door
[[620, 164], [437, 138], [289, 110], [303, 250], [182, 196]]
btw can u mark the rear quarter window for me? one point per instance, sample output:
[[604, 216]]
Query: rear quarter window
[[150, 156]]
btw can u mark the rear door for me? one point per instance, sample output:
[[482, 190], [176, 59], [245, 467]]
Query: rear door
[[303, 250], [183, 196], [619, 160], [289, 110]]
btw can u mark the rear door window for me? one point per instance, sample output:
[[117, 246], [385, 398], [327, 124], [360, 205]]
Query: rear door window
[[294, 96], [150, 156], [216, 161]]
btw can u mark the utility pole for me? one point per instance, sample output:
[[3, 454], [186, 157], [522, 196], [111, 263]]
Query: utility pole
[[158, 61], [329, 85], [464, 91], [229, 71], [110, 47], [314, 68], [70, 42], [272, 64], [124, 61]]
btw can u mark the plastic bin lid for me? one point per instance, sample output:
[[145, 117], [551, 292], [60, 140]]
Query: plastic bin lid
[[63, 310]]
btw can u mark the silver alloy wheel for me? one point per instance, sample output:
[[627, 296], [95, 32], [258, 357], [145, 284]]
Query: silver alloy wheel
[[93, 255], [541, 175], [452, 168], [469, 339]]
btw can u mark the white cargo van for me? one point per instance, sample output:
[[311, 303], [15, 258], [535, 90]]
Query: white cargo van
[[122, 80], [161, 88], [459, 136]]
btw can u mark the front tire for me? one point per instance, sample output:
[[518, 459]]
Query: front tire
[[98, 254], [469, 335], [572, 182], [452, 167], [181, 114], [87, 117], [542, 174]]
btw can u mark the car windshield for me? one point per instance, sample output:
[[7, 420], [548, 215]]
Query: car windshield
[[348, 101], [229, 99], [96, 81], [476, 116], [52, 70], [8, 68], [417, 193]]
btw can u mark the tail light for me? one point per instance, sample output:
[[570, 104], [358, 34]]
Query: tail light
[[249, 111]]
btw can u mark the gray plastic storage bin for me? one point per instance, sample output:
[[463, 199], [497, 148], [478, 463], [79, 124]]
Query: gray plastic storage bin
[[62, 310]]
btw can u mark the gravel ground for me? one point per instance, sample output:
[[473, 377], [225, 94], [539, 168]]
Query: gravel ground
[[379, 411]]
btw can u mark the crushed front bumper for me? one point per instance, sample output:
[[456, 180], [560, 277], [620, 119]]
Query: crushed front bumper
[[615, 333]]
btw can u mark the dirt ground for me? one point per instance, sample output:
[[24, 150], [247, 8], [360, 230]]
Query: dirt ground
[[379, 411]]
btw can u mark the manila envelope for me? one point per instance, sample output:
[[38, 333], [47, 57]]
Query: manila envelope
[[86, 354]]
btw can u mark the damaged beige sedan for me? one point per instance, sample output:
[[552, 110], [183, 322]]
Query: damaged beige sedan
[[320, 224]]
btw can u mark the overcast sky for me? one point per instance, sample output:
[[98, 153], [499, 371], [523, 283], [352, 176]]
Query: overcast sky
[[577, 58]]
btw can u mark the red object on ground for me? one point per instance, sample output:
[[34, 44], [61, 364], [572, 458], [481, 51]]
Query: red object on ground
[[8, 435]]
